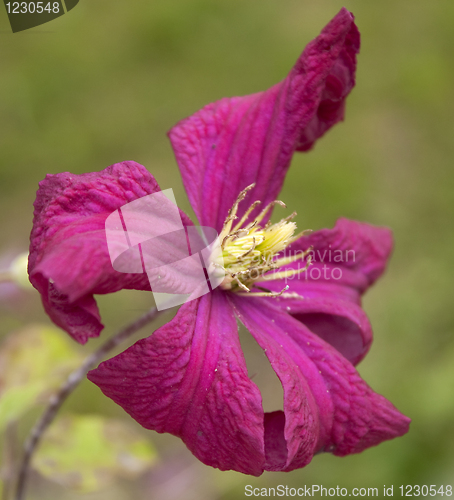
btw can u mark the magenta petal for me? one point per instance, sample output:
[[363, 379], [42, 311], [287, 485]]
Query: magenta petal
[[346, 261], [341, 323], [331, 311], [291, 437], [190, 379], [352, 416], [236, 141], [358, 250], [69, 260], [81, 318]]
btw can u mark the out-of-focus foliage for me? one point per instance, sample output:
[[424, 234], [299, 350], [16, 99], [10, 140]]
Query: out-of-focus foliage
[[18, 270], [16, 273], [33, 363], [86, 452], [106, 81]]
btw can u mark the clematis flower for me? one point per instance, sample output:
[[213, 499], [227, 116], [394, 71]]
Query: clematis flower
[[190, 378]]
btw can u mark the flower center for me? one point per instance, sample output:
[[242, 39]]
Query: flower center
[[251, 251]]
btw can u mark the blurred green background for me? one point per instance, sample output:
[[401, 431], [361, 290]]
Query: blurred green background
[[105, 82]]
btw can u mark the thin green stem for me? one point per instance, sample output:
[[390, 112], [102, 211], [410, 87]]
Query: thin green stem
[[66, 390]]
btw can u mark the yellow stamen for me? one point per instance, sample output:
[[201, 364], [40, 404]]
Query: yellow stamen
[[265, 294], [232, 212], [300, 235], [246, 215], [241, 285], [284, 274], [250, 252], [288, 260], [268, 208]]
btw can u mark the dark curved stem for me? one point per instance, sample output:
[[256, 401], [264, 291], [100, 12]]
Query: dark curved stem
[[66, 389]]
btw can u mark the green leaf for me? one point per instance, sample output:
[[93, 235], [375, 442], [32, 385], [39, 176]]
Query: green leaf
[[87, 452], [15, 401], [33, 362]]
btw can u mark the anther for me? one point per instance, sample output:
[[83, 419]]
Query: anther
[[267, 209]]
